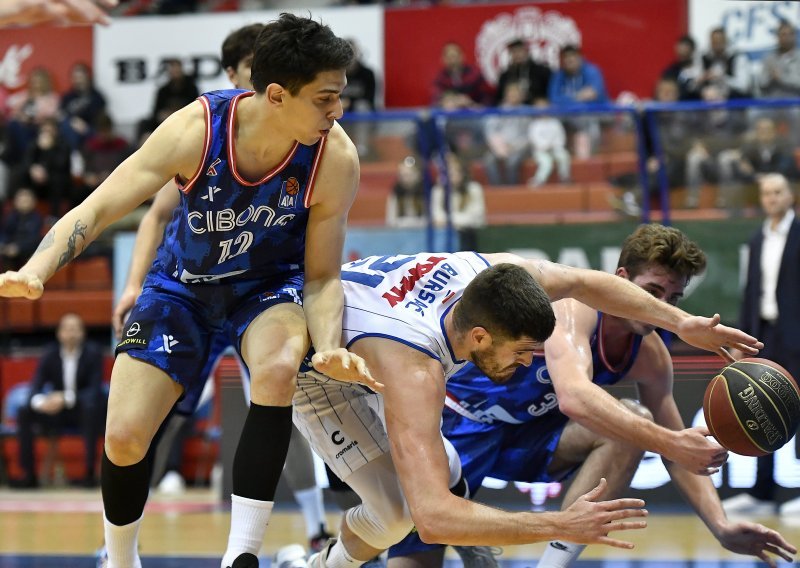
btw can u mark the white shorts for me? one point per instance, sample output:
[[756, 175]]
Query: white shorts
[[343, 422]]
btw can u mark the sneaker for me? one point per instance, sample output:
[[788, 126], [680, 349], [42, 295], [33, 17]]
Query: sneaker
[[746, 504], [791, 508], [291, 556], [317, 560], [317, 542], [245, 560], [479, 556], [171, 484]]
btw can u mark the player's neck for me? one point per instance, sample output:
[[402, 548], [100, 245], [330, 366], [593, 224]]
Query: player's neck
[[455, 339], [615, 337], [255, 151]]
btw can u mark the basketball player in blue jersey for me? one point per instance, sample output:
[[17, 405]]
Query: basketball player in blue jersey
[[267, 179], [417, 319], [236, 60], [553, 419]]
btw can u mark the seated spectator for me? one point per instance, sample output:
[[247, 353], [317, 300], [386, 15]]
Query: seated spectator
[[46, 167], [467, 206], [405, 206], [462, 83], [780, 70], [26, 111], [506, 139], [532, 77], [66, 392], [359, 96], [577, 81], [548, 142], [179, 90], [726, 70], [22, 230], [102, 153], [80, 106], [685, 70]]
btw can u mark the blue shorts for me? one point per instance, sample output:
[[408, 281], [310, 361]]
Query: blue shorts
[[183, 334], [513, 452]]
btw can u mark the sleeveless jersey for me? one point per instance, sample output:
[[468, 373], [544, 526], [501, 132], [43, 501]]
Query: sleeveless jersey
[[406, 298], [230, 230], [528, 395]]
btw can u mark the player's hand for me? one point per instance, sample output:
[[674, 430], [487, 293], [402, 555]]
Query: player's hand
[[709, 334], [20, 285], [124, 305], [696, 452], [34, 12], [342, 365], [588, 520], [756, 540]]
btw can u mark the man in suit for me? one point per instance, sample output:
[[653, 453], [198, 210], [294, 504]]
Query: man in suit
[[771, 310], [66, 392]]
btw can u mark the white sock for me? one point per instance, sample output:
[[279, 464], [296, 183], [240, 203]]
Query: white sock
[[122, 543], [338, 557], [310, 501], [560, 554], [249, 520]]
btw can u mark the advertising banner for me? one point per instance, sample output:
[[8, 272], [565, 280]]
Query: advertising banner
[[630, 41], [129, 72]]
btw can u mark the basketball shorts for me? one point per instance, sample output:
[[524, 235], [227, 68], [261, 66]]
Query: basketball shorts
[[343, 422], [183, 335], [512, 452]]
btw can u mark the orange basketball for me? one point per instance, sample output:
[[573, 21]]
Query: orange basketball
[[752, 407], [292, 186]]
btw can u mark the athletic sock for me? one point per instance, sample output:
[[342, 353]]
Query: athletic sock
[[122, 544], [310, 501], [249, 520], [338, 557], [560, 554]]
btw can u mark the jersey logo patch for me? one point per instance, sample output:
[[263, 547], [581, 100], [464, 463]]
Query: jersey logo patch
[[212, 190], [212, 169], [289, 191]]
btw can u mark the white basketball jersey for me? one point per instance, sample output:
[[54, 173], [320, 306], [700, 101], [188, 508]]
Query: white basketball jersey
[[406, 298]]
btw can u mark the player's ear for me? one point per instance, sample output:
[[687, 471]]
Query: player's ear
[[623, 272], [480, 337], [231, 74], [275, 93]]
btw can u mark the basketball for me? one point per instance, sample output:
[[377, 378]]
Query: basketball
[[292, 186], [752, 407]]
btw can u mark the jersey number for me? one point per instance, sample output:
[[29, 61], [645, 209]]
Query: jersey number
[[242, 241], [380, 264]]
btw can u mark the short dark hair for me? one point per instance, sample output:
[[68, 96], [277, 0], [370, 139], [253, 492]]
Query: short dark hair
[[239, 44], [508, 302], [291, 51], [688, 40], [656, 245], [516, 43], [570, 49]]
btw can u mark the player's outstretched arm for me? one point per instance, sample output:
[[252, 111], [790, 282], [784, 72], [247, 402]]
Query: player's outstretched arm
[[75, 12], [620, 297], [756, 540], [174, 148]]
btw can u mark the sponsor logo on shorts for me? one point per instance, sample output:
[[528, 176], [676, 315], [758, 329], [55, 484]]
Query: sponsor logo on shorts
[[347, 448], [337, 438], [133, 329], [169, 343], [132, 341]]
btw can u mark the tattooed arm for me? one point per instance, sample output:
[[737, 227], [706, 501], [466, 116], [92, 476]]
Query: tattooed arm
[[175, 148]]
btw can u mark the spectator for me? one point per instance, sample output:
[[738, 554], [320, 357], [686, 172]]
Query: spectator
[[102, 153], [458, 84], [27, 110], [548, 142], [780, 71], [66, 392], [179, 90], [577, 81], [467, 206], [359, 96], [22, 230], [728, 71], [80, 106], [685, 70], [532, 77], [506, 138], [46, 167], [405, 206]]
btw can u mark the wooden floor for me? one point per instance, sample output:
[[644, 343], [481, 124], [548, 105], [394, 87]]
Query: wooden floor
[[43, 529]]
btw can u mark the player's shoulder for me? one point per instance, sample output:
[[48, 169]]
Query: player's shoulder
[[340, 146]]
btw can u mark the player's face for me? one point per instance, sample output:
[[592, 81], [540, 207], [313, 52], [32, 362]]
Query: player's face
[[500, 359], [240, 77], [662, 284], [312, 113]]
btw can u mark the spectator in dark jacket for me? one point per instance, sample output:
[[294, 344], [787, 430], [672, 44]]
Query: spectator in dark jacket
[[46, 167], [461, 83], [685, 70], [179, 90], [80, 106], [22, 230], [531, 76], [65, 392]]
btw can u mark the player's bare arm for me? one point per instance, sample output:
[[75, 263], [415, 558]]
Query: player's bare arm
[[413, 394], [75, 12], [323, 297], [175, 148], [148, 237], [620, 297]]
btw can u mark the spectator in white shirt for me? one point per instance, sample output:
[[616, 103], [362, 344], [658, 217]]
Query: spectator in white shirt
[[548, 140], [506, 138], [405, 206], [780, 70]]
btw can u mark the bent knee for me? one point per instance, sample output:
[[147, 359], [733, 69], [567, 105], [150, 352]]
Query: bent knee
[[382, 528], [125, 445], [275, 380], [637, 408]]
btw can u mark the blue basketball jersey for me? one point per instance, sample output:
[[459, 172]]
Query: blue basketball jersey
[[231, 230]]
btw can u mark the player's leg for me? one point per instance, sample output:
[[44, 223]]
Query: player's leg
[[273, 345], [140, 398], [597, 457]]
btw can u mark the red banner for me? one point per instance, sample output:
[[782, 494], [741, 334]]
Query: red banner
[[630, 40], [54, 48]]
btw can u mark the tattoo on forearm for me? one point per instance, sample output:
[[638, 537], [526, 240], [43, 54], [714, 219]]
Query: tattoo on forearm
[[72, 243], [47, 241]]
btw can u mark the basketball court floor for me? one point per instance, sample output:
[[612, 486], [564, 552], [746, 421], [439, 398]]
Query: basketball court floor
[[62, 528]]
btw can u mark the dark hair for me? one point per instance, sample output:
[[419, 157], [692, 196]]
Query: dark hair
[[688, 40], [518, 42], [239, 44], [570, 49], [657, 245], [508, 302], [291, 51]]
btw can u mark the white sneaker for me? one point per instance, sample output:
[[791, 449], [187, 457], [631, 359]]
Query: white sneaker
[[746, 504], [791, 507], [172, 484], [317, 560], [291, 556]]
